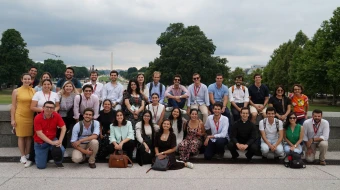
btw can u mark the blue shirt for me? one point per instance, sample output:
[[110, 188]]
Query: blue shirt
[[86, 132], [75, 81], [202, 95], [155, 89], [219, 93]]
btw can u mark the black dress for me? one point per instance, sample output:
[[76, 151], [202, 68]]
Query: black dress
[[166, 145], [106, 119]]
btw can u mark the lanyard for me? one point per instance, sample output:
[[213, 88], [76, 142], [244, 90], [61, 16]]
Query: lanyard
[[155, 113], [316, 127], [94, 88], [196, 90], [217, 124], [49, 95]]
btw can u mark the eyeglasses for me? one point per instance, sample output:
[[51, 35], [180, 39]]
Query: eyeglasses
[[49, 108], [177, 79], [196, 78], [292, 117]]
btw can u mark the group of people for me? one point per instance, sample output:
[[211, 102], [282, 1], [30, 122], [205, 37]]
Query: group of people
[[102, 119]]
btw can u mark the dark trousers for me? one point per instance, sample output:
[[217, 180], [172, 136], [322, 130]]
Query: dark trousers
[[127, 147], [69, 122], [251, 150], [216, 147], [235, 112]]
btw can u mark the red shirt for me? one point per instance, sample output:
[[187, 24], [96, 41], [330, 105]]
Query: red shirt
[[47, 126]]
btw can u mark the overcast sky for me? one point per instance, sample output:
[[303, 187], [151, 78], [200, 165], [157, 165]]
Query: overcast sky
[[85, 32]]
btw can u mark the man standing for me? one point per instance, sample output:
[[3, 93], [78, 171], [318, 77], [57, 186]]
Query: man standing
[[84, 139], [238, 97], [69, 73], [97, 86], [45, 140], [199, 97], [33, 73], [258, 96], [243, 137], [85, 100], [217, 129], [272, 134], [156, 87], [113, 91], [316, 135], [177, 94], [218, 92]]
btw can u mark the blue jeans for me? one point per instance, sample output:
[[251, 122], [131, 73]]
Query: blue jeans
[[41, 154], [173, 103]]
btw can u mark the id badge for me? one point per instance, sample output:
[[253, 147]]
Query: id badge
[[195, 101]]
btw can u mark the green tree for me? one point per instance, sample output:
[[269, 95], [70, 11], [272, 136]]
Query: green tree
[[80, 72], [13, 56], [55, 67], [143, 69], [184, 51], [238, 71]]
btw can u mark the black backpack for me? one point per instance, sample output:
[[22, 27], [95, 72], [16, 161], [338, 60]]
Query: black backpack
[[160, 89], [81, 128], [294, 160]]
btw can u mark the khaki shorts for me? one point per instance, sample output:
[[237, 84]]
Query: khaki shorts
[[254, 110]]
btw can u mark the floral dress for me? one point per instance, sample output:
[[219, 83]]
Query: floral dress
[[136, 103], [191, 144]]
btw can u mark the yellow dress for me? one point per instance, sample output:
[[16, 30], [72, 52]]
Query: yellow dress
[[23, 113]]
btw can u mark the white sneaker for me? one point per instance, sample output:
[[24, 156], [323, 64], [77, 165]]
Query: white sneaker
[[28, 164], [169, 108], [183, 111], [51, 161], [190, 165], [66, 154], [23, 159], [27, 156]]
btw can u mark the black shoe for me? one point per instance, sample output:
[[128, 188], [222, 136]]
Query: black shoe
[[60, 166], [93, 165], [233, 159], [219, 156], [249, 160], [264, 158]]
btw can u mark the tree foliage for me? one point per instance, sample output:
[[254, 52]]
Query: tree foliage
[[184, 51], [13, 56], [80, 72]]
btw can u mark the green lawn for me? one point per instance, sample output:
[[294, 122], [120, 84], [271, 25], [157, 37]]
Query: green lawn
[[5, 96]]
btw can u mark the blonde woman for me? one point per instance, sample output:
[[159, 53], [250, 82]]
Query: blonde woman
[[66, 100], [45, 75], [22, 117]]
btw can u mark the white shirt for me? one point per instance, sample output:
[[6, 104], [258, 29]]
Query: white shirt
[[113, 93], [156, 112], [322, 130], [41, 98], [222, 124], [239, 96], [97, 88], [271, 130]]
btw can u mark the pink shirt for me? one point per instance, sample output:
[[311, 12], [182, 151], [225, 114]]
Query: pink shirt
[[176, 92], [92, 102]]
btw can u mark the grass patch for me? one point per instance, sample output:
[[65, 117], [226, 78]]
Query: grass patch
[[324, 107], [6, 96]]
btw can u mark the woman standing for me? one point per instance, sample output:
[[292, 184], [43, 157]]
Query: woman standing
[[293, 135], [41, 97], [157, 110], [134, 102], [45, 75], [106, 118], [143, 88], [22, 117], [193, 139], [66, 99], [165, 144], [177, 123], [145, 134], [121, 135], [281, 103], [300, 104]]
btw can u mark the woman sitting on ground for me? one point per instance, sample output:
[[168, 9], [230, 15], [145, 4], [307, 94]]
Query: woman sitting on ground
[[165, 144], [293, 134], [145, 134], [194, 131], [177, 124], [121, 135]]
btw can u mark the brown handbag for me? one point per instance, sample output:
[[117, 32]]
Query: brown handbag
[[119, 160]]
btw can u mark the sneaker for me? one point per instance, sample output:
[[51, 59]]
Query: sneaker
[[27, 156], [66, 154], [323, 163], [51, 161], [23, 159], [59, 165], [169, 108], [93, 165], [183, 111], [190, 165], [28, 164]]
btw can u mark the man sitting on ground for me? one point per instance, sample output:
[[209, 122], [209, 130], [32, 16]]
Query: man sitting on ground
[[84, 139]]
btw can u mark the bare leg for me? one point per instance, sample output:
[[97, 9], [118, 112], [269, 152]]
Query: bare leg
[[21, 145], [28, 141]]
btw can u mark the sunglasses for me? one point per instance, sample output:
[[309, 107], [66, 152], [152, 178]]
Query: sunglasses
[[177, 79], [195, 78], [292, 117], [279, 90]]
